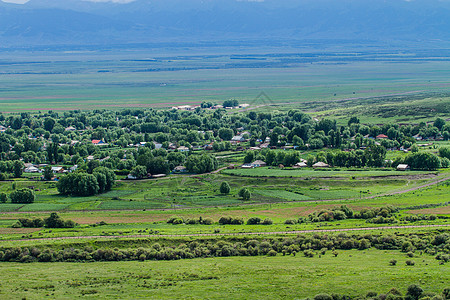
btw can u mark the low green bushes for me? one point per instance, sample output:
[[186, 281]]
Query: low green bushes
[[310, 246]]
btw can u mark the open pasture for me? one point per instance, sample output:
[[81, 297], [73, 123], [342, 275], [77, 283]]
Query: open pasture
[[266, 185], [90, 81], [352, 272]]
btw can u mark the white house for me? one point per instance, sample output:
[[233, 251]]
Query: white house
[[183, 149], [180, 169], [402, 167], [321, 165], [238, 139], [258, 164], [32, 169], [300, 165], [57, 169]]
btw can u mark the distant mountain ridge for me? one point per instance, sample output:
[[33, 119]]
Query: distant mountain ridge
[[42, 22]]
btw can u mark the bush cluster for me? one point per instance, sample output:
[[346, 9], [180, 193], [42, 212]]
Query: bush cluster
[[54, 221], [175, 220], [413, 292], [377, 215], [243, 246]]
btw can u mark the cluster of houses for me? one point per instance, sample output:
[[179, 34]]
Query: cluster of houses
[[32, 168], [301, 164]]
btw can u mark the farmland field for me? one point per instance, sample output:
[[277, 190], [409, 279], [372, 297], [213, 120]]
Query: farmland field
[[94, 81], [188, 212]]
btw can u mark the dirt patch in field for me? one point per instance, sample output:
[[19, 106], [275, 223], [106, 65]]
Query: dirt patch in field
[[444, 210], [129, 218], [18, 230]]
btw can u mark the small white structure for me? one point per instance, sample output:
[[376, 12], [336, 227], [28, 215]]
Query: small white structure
[[238, 139], [321, 165], [183, 149], [180, 169], [57, 169], [258, 164], [32, 169], [71, 128], [300, 165], [402, 167]]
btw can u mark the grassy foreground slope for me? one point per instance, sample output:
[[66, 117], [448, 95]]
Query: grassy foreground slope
[[352, 272]]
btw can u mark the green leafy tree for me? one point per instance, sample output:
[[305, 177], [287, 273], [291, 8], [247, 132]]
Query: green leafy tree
[[3, 198], [245, 194], [48, 173], [105, 178], [226, 134], [17, 168], [225, 188], [78, 184], [423, 161], [22, 196], [139, 172]]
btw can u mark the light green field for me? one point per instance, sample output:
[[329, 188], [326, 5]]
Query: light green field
[[352, 272], [92, 82]]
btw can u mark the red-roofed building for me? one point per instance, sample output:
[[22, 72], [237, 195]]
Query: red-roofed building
[[97, 142], [382, 136]]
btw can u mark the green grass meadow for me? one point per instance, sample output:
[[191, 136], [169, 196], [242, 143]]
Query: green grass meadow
[[352, 273]]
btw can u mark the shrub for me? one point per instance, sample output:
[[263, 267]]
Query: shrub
[[225, 188], [393, 262], [290, 222], [410, 263], [323, 297], [245, 194], [267, 221], [253, 221], [272, 253]]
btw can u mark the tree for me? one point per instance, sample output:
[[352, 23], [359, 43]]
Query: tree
[[17, 168], [423, 161], [230, 103], [226, 134], [353, 120], [158, 165], [3, 198], [444, 152], [139, 172], [225, 188], [439, 123], [105, 178], [201, 163], [48, 173], [245, 194], [55, 221], [22, 196], [78, 184], [49, 123], [375, 155]]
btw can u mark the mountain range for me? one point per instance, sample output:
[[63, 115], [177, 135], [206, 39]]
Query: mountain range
[[78, 22]]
